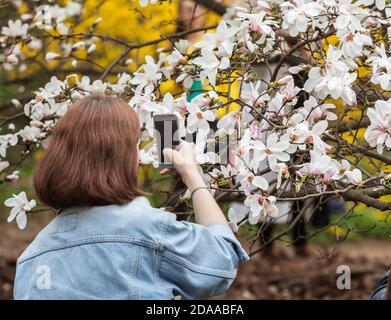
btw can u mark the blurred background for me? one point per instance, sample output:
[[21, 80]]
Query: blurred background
[[300, 265]]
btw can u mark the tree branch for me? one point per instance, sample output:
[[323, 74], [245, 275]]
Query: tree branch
[[213, 5]]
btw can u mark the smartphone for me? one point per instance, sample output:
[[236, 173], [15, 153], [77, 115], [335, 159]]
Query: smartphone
[[166, 134]]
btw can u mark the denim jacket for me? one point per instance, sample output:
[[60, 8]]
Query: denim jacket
[[133, 251]]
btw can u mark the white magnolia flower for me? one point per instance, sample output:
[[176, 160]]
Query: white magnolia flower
[[16, 102], [128, 61], [210, 64], [257, 22], [335, 80], [4, 165], [98, 86], [274, 150], [145, 105], [282, 170], [350, 14], [380, 4], [52, 56], [182, 45], [7, 140], [12, 59], [288, 90], [227, 122], [186, 77], [353, 43], [260, 207], [319, 164], [296, 69], [255, 130], [236, 216], [35, 44], [313, 136], [30, 133], [78, 45], [198, 119], [175, 59], [84, 83], [277, 106], [204, 149], [354, 176], [50, 16], [222, 39], [252, 96], [250, 182], [313, 112], [204, 156], [148, 78], [337, 85], [320, 168], [297, 15], [381, 68], [52, 89], [122, 82], [378, 132], [342, 168], [67, 48], [91, 48], [14, 176], [20, 205], [149, 156], [223, 172], [297, 136], [41, 110], [15, 29]]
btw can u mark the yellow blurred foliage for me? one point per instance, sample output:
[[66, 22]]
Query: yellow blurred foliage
[[122, 19], [338, 231]]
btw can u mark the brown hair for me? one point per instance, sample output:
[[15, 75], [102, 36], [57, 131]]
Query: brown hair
[[92, 157]]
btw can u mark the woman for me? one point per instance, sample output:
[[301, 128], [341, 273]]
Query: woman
[[107, 242]]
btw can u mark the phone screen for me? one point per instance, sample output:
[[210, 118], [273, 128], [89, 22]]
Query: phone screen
[[166, 133]]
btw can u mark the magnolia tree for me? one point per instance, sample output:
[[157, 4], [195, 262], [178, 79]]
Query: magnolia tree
[[322, 128]]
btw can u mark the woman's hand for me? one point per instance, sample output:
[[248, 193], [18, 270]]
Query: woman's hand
[[206, 210], [185, 164]]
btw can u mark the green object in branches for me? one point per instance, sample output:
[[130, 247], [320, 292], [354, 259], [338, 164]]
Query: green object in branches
[[195, 90]]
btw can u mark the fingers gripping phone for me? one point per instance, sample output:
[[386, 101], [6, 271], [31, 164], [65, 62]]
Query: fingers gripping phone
[[166, 134]]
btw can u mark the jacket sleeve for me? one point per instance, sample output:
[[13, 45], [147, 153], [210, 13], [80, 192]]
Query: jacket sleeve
[[380, 291], [200, 261]]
